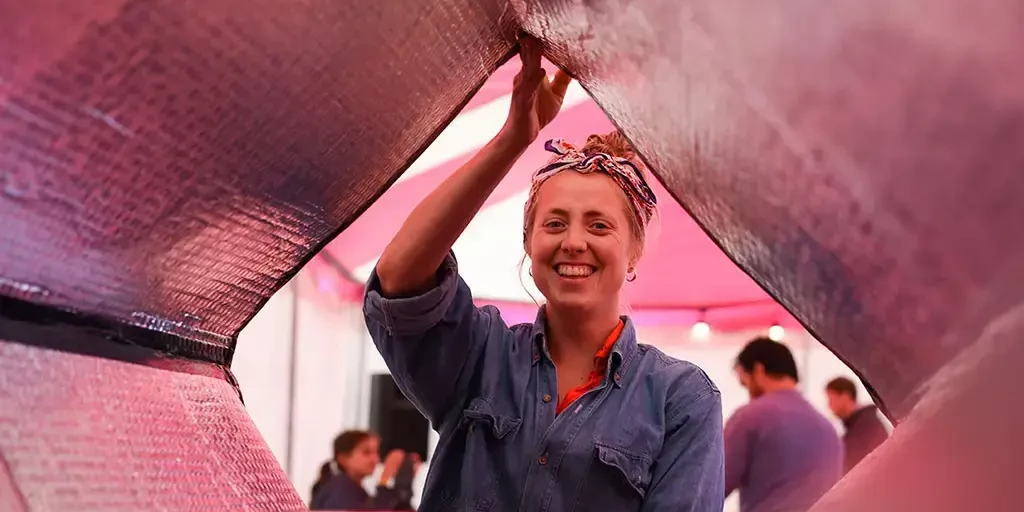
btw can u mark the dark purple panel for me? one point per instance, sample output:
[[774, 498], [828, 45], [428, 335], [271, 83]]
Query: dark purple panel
[[171, 163]]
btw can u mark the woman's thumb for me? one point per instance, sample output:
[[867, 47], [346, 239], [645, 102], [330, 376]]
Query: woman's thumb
[[560, 83]]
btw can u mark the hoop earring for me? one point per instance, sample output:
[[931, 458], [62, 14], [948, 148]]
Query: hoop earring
[[631, 276]]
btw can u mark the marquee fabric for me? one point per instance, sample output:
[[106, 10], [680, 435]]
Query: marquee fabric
[[682, 277], [165, 166]]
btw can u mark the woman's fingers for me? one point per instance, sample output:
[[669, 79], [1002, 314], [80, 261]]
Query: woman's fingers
[[533, 75], [523, 120], [530, 51], [560, 83], [529, 78], [527, 84]]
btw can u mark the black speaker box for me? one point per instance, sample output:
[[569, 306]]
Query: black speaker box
[[392, 416]]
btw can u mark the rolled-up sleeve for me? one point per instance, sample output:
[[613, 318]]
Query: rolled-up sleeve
[[432, 342]]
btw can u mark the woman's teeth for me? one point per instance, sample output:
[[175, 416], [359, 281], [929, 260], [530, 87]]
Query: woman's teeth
[[574, 270]]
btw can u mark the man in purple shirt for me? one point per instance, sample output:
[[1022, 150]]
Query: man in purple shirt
[[780, 452]]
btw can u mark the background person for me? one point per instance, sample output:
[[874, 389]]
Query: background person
[[355, 459], [864, 429], [780, 453]]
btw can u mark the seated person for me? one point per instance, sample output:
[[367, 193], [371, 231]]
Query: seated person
[[355, 458]]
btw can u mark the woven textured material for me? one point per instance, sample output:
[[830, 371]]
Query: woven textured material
[[87, 433], [853, 172], [190, 155], [171, 163]]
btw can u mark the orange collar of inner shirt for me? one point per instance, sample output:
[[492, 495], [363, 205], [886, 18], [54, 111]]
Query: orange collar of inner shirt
[[597, 374]]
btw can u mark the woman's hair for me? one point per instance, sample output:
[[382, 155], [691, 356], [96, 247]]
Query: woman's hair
[[349, 440], [615, 145], [344, 444], [326, 473]]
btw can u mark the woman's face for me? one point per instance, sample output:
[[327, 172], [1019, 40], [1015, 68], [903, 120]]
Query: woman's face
[[581, 243], [363, 460]]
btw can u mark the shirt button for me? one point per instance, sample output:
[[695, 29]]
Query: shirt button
[[547, 398], [543, 459]]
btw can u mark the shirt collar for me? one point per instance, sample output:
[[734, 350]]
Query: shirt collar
[[858, 414], [618, 360]]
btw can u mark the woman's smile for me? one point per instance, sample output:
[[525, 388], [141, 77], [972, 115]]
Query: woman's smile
[[574, 271]]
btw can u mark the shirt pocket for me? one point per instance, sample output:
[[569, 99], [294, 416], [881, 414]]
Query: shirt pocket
[[617, 479], [481, 416], [483, 466]]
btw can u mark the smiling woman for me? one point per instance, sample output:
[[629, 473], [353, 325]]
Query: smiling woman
[[591, 222], [604, 423]]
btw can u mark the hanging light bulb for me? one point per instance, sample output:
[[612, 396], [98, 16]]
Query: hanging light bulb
[[776, 332], [700, 330]]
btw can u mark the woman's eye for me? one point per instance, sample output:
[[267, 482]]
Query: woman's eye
[[553, 224], [600, 226]]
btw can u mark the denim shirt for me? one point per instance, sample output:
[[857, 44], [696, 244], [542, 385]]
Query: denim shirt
[[649, 438]]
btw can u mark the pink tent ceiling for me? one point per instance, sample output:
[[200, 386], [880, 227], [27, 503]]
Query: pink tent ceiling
[[684, 275]]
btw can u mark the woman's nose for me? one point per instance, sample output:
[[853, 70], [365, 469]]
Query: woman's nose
[[574, 241]]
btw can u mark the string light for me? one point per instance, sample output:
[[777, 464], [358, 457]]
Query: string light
[[776, 332], [700, 331]]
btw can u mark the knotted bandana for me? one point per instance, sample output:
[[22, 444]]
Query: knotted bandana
[[624, 173]]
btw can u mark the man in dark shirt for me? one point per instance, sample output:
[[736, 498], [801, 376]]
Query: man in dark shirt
[[864, 430]]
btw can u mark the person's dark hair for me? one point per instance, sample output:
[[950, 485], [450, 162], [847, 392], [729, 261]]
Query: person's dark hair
[[842, 385], [344, 444], [326, 473], [774, 356]]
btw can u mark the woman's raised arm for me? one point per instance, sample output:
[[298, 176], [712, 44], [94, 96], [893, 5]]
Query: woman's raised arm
[[410, 262]]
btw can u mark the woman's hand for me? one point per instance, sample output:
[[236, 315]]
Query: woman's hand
[[392, 462], [416, 463], [535, 100]]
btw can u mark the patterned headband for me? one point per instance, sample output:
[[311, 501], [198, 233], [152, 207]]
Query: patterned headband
[[624, 173]]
